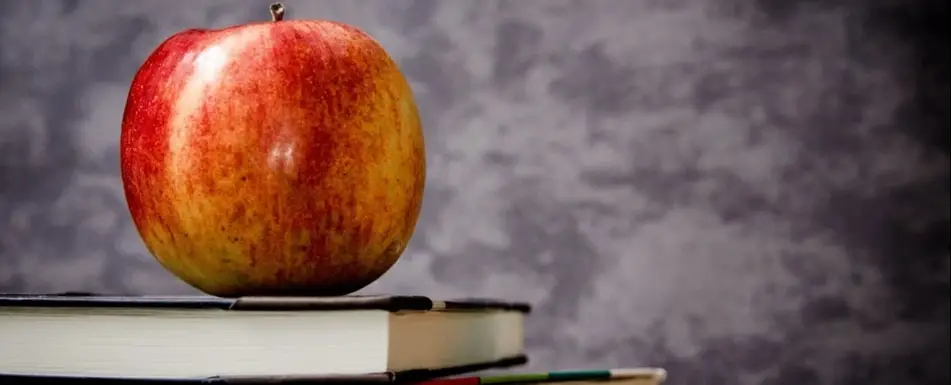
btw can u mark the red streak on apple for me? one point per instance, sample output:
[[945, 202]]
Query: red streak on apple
[[273, 158]]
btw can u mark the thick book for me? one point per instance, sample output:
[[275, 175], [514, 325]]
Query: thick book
[[254, 339]]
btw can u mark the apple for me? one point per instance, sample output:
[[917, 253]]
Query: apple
[[277, 158]]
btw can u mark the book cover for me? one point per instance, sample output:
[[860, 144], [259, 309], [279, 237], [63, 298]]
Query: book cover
[[414, 376], [392, 303]]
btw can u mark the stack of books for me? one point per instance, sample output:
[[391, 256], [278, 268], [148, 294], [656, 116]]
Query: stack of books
[[85, 338]]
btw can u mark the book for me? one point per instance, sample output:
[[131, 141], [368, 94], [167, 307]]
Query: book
[[251, 339], [621, 376]]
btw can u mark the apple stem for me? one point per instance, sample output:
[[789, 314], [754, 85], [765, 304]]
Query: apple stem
[[277, 12]]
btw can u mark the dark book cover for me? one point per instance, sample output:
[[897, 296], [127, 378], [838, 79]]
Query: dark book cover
[[406, 377], [391, 303]]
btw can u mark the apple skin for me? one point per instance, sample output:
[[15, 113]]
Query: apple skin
[[281, 158]]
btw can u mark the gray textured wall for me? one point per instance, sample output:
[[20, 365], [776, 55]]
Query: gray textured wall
[[744, 192]]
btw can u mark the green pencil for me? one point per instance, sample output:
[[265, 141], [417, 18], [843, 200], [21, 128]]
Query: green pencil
[[656, 374]]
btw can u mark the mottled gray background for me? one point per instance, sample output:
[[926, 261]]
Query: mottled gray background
[[741, 191]]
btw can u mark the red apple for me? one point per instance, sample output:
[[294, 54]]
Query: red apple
[[281, 157]]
